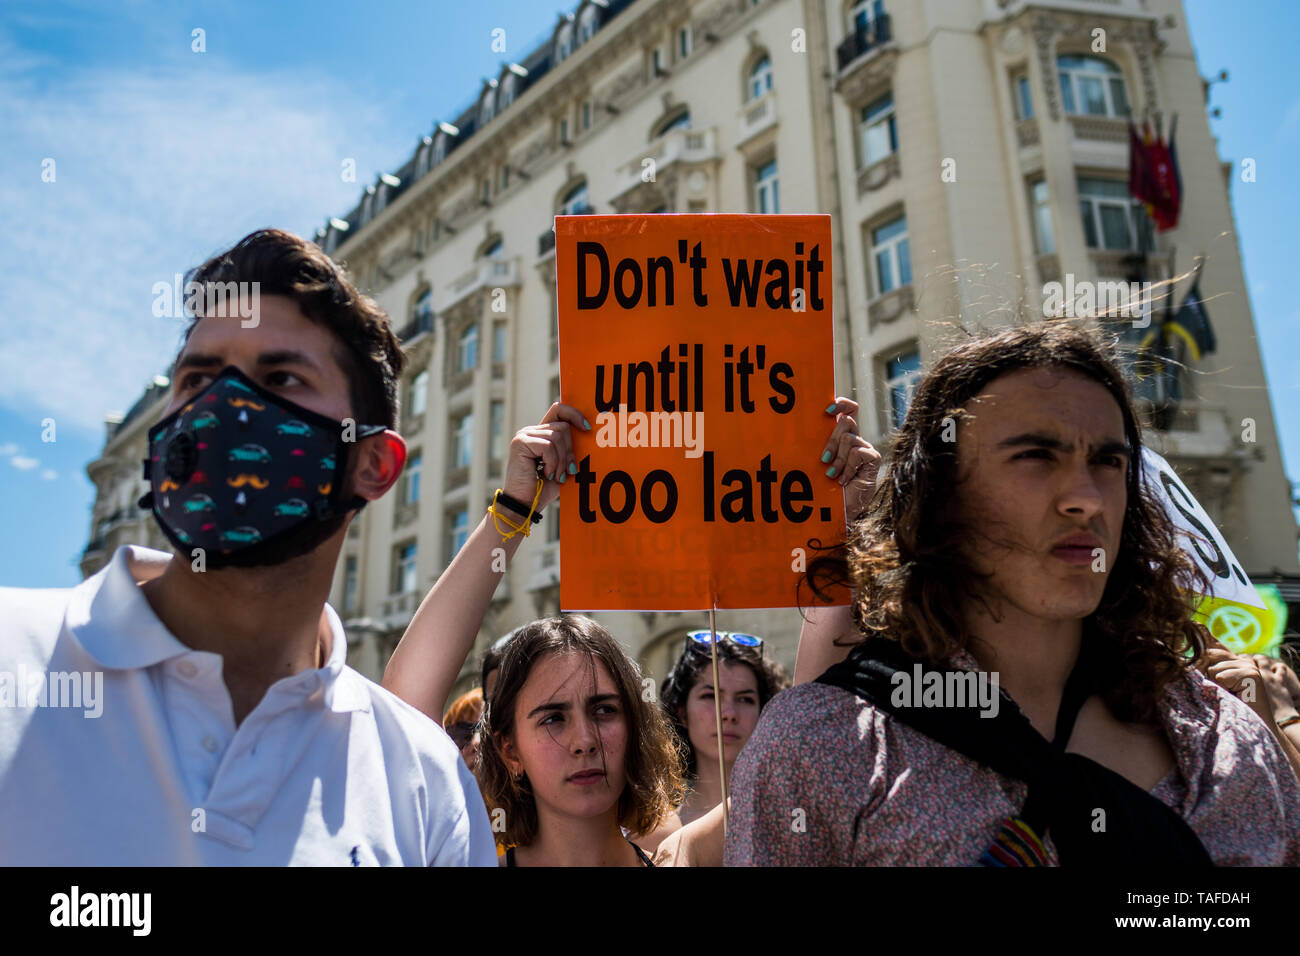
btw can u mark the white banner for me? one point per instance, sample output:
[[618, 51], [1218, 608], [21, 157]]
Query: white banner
[[1201, 537]]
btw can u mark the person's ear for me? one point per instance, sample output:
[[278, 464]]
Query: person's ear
[[510, 756], [380, 459]]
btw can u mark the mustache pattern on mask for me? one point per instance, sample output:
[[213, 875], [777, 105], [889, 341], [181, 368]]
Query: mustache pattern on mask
[[240, 480]]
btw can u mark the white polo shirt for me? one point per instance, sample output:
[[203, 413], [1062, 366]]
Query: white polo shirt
[[118, 747]]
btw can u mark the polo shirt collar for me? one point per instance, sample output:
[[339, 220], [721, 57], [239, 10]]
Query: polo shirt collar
[[110, 618]]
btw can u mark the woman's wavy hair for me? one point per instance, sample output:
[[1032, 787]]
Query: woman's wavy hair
[[696, 659], [912, 577], [652, 766]]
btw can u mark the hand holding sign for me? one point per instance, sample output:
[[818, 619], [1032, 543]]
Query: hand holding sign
[[853, 460], [549, 442]]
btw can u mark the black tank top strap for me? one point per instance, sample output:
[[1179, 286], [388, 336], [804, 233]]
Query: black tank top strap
[[645, 860], [510, 856]]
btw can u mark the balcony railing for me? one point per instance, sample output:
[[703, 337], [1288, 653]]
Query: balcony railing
[[876, 33], [675, 146], [421, 323], [487, 273]]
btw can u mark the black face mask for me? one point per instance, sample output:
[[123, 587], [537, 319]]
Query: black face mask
[[249, 477]]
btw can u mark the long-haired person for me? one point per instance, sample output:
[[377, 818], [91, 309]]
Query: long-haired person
[[747, 680], [1015, 565], [572, 755]]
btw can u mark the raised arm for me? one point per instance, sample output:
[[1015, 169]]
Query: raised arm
[[441, 635], [828, 632]]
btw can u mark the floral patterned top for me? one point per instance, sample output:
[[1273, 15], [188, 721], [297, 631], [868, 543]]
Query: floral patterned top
[[827, 779]]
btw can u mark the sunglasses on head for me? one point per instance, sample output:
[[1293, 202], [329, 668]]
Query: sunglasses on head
[[705, 638]]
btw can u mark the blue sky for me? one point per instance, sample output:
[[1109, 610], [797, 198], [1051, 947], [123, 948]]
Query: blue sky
[[164, 156]]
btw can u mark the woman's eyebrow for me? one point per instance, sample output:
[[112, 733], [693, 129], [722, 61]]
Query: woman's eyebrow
[[560, 705]]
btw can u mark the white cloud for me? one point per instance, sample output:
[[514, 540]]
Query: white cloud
[[156, 168], [49, 474], [22, 463], [7, 449]]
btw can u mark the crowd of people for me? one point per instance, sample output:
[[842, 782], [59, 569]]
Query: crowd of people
[[1102, 723]]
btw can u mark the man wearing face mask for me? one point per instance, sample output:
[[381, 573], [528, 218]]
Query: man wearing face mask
[[217, 722]]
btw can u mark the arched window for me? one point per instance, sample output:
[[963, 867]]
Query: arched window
[[760, 78], [507, 90], [587, 25], [422, 158], [440, 148], [564, 43], [1092, 86], [485, 110], [680, 120], [575, 202]]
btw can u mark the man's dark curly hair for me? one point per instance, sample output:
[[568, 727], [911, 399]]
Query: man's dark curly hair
[[912, 577]]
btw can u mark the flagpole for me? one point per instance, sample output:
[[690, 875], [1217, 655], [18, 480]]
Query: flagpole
[[717, 713]]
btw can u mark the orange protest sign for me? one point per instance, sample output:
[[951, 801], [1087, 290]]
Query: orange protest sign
[[700, 349]]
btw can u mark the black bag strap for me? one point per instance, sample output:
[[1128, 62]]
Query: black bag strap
[[1065, 790]]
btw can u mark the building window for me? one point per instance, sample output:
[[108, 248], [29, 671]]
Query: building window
[[419, 393], [1024, 101], [1044, 237], [565, 46], [575, 201], [865, 14], [902, 372], [498, 342], [891, 256], [586, 115], [766, 192], [1111, 218], [564, 130], [458, 525], [760, 77], [404, 579], [508, 91], [497, 431], [1092, 86], [485, 113], [467, 349], [680, 120], [657, 61], [505, 177], [879, 130], [684, 39], [411, 487], [350, 584], [439, 149], [463, 438], [493, 250]]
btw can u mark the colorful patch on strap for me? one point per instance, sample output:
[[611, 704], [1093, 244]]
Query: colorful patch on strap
[[1016, 844]]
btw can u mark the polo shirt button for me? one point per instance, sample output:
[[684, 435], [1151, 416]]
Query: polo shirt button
[[186, 669], [210, 744]]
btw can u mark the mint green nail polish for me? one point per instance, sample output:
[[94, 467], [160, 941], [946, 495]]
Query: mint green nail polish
[[586, 424], [830, 472], [826, 456], [562, 477], [573, 469], [830, 408]]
